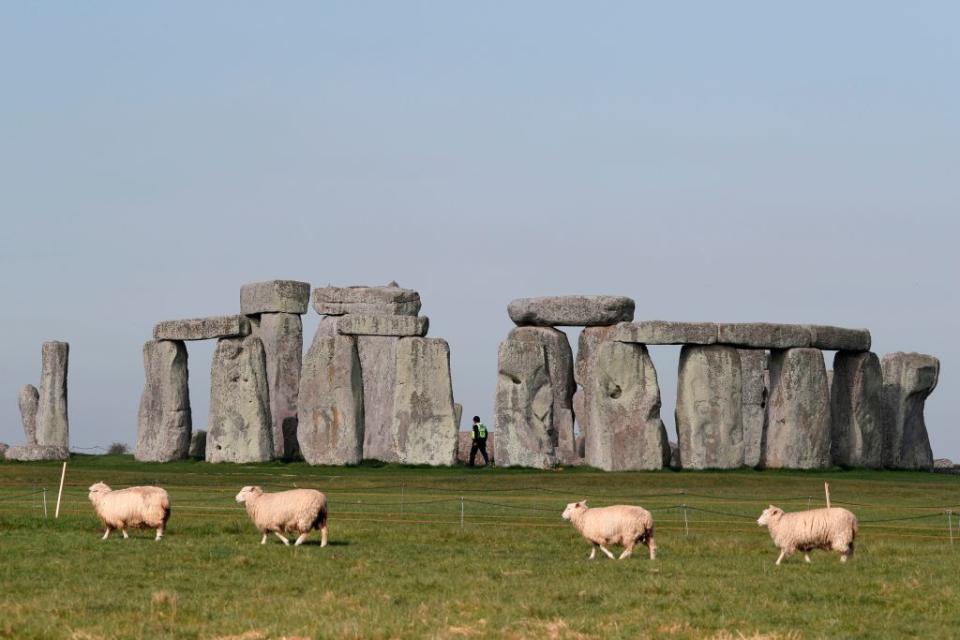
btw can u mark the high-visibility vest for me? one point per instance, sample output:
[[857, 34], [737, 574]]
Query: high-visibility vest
[[481, 431]]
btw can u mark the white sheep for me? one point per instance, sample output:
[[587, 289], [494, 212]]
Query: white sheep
[[297, 510], [621, 524], [135, 507], [830, 529]]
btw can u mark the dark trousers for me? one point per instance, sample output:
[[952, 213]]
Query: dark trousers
[[481, 446]]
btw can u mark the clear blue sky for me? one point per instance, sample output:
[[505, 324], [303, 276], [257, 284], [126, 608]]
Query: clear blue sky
[[715, 161]]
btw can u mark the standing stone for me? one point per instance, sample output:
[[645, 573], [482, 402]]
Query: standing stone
[[28, 399], [425, 429], [378, 363], [908, 379], [753, 409], [560, 369], [198, 445], [240, 428], [856, 410], [331, 402], [571, 311], [798, 412], [523, 410], [53, 427], [164, 421], [708, 414], [458, 414], [274, 296], [589, 342], [282, 336], [622, 399]]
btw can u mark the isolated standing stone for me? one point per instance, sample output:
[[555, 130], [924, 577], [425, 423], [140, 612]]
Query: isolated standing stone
[[274, 296], [908, 380], [378, 362], [164, 421], [798, 411], [571, 311], [524, 407], [389, 300], [203, 328], [53, 427], [282, 336], [198, 445], [622, 399], [753, 409], [708, 415], [425, 429], [240, 428], [29, 399], [331, 402], [856, 408], [560, 369]]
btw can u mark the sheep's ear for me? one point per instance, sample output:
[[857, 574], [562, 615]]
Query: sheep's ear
[[583, 502]]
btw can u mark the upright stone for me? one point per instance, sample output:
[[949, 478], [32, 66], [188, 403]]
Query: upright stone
[[458, 414], [523, 411], [240, 428], [378, 362], [908, 380], [275, 296], [282, 336], [856, 408], [571, 311], [331, 402], [589, 342], [425, 429], [753, 409], [53, 427], [708, 415], [798, 412], [622, 399], [28, 399], [560, 369], [198, 445], [164, 421]]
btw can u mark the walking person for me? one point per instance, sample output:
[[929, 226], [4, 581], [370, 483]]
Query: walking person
[[479, 442]]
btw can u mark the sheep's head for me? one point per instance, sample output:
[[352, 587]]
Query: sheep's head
[[768, 514], [97, 490], [574, 507], [248, 491]]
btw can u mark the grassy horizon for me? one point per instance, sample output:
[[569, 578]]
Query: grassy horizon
[[401, 565]]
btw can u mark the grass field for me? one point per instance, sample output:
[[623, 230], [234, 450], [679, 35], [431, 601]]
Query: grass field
[[401, 564]]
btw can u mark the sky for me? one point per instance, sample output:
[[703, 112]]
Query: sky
[[740, 161]]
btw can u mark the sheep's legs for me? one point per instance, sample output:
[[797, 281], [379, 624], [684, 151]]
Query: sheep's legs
[[806, 557], [159, 534], [323, 536], [782, 556], [593, 553], [626, 553], [607, 551], [106, 534], [125, 536], [300, 539], [264, 539], [279, 535], [652, 546]]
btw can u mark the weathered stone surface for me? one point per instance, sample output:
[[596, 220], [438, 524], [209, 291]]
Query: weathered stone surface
[[331, 402], [28, 399], [425, 430], [382, 301], [571, 311], [674, 455], [282, 336], [240, 428], [53, 426], [763, 335], [856, 410], [3, 450], [164, 421], [579, 414], [458, 414], [34, 452], [560, 369], [378, 362], [274, 296], [198, 445], [202, 328], [590, 340], [798, 413], [708, 414], [830, 338], [908, 379], [465, 443], [366, 325], [622, 399], [753, 409], [663, 332], [524, 407]]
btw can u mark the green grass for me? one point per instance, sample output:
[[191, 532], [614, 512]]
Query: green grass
[[400, 565]]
